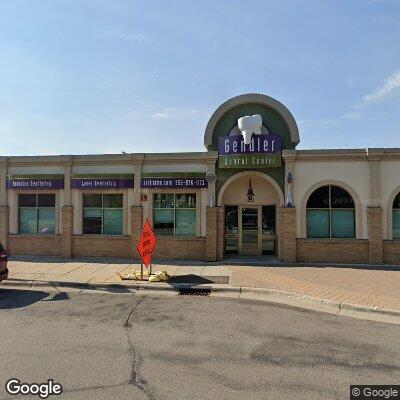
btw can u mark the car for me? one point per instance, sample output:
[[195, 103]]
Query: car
[[3, 263]]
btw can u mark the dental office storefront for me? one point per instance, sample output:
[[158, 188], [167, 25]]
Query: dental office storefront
[[250, 193]]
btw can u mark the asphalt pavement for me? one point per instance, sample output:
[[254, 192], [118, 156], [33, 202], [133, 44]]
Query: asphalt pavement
[[101, 345]]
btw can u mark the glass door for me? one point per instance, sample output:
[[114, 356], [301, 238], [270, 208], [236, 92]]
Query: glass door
[[250, 231], [231, 229]]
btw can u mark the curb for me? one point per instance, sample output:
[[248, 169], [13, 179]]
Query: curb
[[215, 288]]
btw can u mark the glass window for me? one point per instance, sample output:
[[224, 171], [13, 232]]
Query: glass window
[[185, 222], [163, 222], [396, 224], [37, 213], [330, 213], [396, 217], [103, 214], [161, 200], [343, 223], [92, 221], [318, 223], [268, 220], [28, 220], [231, 229], [27, 200], [92, 200], [340, 198], [112, 221], [319, 198], [112, 201], [174, 214]]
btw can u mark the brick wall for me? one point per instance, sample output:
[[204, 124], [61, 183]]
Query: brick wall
[[375, 233], [34, 245], [333, 250], [391, 251], [101, 246], [67, 213], [136, 230], [211, 243], [173, 248], [288, 234]]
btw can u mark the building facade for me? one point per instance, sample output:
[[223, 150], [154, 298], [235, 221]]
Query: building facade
[[250, 193]]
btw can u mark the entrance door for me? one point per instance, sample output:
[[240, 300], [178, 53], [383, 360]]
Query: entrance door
[[250, 231]]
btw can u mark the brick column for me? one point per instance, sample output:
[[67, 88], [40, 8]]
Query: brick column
[[3, 225], [279, 232], [287, 247], [220, 233], [67, 230], [214, 234], [375, 234], [136, 229]]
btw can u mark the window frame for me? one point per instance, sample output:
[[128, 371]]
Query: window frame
[[102, 208], [37, 208], [196, 208], [393, 213], [330, 209]]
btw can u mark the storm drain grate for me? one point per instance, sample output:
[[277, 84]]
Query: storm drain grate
[[194, 291]]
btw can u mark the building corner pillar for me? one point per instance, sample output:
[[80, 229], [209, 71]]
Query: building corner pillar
[[287, 234], [67, 229], [214, 234], [136, 229], [4, 226], [375, 235]]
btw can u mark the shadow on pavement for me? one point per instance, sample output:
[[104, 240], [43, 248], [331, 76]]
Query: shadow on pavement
[[189, 279], [59, 297], [14, 298]]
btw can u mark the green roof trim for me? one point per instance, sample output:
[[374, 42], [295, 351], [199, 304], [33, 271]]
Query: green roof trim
[[36, 176], [173, 175], [102, 176]]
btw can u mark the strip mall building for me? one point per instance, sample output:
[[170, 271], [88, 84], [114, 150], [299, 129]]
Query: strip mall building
[[261, 196]]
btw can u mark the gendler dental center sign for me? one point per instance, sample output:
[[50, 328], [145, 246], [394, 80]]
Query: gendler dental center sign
[[263, 151]]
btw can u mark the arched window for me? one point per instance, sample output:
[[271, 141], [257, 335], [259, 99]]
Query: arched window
[[396, 217], [330, 213]]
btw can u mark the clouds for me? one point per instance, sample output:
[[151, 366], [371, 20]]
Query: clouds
[[174, 113], [369, 107], [109, 34], [392, 83], [156, 111]]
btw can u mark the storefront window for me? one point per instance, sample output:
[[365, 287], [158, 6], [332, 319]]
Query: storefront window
[[174, 214], [396, 217], [103, 214], [330, 213], [37, 213]]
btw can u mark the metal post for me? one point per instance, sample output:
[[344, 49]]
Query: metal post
[[141, 271]]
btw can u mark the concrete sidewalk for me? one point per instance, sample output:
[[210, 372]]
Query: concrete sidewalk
[[370, 287], [102, 270]]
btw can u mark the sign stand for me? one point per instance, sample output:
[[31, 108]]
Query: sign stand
[[145, 246]]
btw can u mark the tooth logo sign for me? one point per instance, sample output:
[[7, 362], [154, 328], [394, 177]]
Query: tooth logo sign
[[249, 125]]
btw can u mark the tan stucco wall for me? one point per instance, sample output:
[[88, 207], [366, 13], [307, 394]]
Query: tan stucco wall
[[264, 192], [390, 186]]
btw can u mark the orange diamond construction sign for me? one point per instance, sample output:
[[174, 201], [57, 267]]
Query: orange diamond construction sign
[[146, 244]]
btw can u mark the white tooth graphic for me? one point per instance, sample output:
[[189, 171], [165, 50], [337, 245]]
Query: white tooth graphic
[[249, 125]]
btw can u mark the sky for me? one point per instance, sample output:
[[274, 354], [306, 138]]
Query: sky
[[88, 77]]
